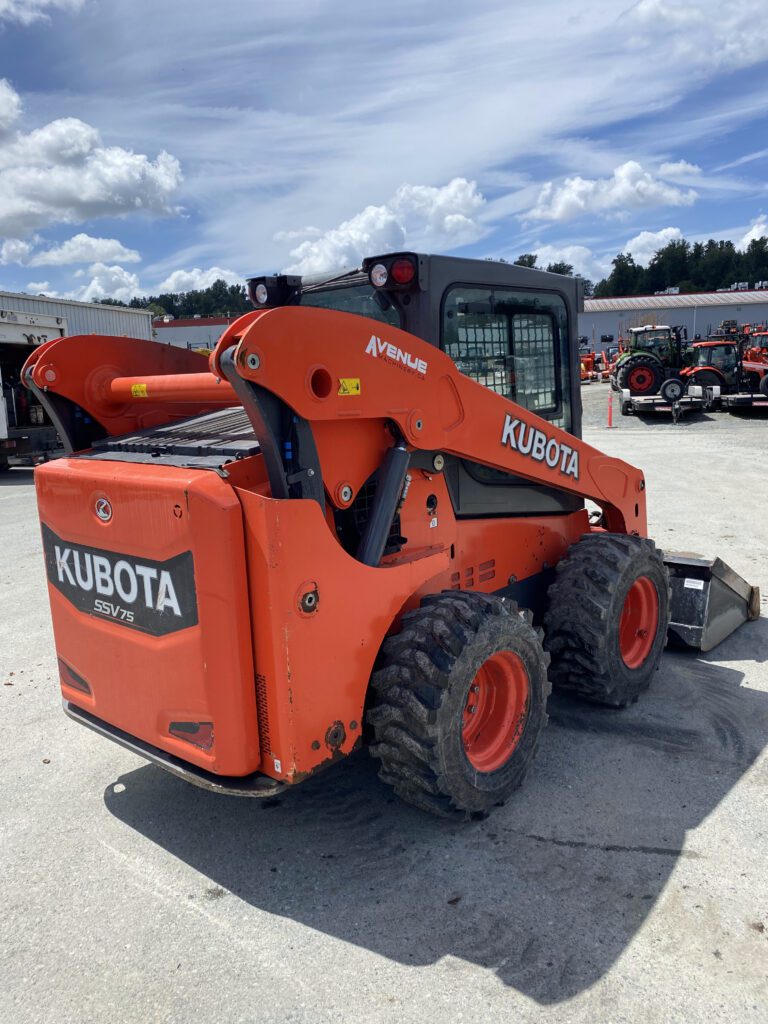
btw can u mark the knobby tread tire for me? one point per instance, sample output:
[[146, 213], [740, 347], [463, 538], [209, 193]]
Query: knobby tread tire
[[419, 690], [582, 621], [652, 364]]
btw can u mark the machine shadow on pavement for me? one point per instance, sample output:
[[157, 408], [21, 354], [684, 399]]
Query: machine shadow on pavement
[[16, 478], [548, 892]]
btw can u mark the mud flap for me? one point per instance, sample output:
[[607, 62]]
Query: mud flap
[[709, 601]]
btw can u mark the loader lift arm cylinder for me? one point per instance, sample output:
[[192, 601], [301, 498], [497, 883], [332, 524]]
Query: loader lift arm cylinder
[[385, 502]]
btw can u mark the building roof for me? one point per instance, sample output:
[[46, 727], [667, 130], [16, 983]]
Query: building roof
[[638, 302], [26, 297]]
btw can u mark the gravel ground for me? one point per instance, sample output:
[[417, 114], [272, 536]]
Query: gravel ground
[[625, 882]]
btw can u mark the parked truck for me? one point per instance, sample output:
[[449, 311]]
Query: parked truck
[[27, 435]]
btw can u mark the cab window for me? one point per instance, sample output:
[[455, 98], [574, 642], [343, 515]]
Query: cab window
[[514, 343], [357, 298]]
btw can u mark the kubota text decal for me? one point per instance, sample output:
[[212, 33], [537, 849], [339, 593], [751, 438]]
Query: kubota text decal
[[153, 597], [527, 440]]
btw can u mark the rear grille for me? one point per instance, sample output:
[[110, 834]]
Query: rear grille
[[263, 717], [227, 432]]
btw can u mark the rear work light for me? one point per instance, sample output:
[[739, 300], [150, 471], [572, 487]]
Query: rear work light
[[379, 275], [279, 290], [398, 272], [199, 734]]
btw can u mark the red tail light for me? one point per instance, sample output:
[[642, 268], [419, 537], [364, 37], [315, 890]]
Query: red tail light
[[403, 271], [199, 734], [71, 679]]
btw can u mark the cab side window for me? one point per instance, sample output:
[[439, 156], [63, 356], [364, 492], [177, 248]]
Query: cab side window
[[512, 343]]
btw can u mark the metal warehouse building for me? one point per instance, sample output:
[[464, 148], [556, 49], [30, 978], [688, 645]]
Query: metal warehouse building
[[700, 312], [192, 332], [75, 317]]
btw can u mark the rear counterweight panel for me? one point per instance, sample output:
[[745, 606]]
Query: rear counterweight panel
[[149, 597]]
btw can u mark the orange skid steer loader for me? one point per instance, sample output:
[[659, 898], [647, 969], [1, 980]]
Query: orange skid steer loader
[[363, 522]]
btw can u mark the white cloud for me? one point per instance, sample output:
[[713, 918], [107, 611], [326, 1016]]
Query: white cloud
[[679, 169], [27, 11], [191, 280], [14, 250], [83, 248], [36, 287], [417, 216], [584, 262], [630, 187], [727, 33], [10, 105], [757, 229], [643, 246], [108, 283], [62, 173]]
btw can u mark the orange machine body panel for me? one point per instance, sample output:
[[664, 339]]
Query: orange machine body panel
[[142, 679], [200, 612]]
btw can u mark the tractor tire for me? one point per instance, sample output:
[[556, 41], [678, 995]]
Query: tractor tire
[[640, 375], [459, 703], [708, 379], [607, 621], [764, 386], [752, 382]]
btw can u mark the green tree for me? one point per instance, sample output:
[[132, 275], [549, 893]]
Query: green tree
[[527, 259], [560, 267]]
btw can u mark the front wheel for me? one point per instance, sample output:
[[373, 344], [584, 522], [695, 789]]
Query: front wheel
[[607, 620], [764, 386], [459, 702]]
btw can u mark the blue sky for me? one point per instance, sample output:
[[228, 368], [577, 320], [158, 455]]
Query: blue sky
[[155, 146]]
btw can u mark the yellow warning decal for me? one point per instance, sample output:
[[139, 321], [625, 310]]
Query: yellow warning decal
[[139, 391], [349, 386]]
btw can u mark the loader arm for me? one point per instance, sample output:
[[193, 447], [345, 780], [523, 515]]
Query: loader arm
[[328, 388], [347, 377]]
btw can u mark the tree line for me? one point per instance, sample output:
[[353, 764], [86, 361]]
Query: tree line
[[687, 266], [220, 299]]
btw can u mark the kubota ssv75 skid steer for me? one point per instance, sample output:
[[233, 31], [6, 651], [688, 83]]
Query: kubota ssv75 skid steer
[[363, 521]]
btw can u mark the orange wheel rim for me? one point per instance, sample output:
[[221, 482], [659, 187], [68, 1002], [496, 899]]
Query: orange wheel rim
[[640, 379], [639, 622], [496, 711]]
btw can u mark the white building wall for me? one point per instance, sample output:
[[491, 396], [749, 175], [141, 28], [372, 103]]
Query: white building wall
[[84, 317]]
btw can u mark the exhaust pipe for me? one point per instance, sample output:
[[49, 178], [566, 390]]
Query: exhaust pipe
[[709, 600]]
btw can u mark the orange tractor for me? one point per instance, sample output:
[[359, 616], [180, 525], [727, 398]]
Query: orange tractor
[[362, 522]]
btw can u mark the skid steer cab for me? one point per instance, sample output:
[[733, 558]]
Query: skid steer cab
[[362, 521]]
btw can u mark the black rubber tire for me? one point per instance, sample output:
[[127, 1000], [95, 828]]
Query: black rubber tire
[[751, 382], [672, 386], [764, 386], [581, 625], [419, 692], [708, 379], [640, 360], [4, 466]]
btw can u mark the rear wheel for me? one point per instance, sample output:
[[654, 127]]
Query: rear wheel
[[707, 379], [459, 702], [764, 386], [608, 616], [641, 375]]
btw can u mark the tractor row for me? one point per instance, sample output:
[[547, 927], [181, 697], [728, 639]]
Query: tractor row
[[659, 360]]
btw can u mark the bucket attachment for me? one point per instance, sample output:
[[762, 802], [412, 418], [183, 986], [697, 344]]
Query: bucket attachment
[[709, 600]]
